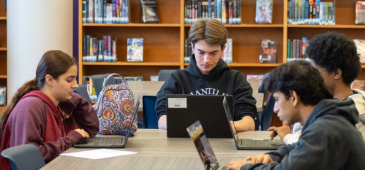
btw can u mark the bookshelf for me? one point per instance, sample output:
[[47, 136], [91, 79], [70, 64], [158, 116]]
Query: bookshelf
[[164, 41], [3, 45]]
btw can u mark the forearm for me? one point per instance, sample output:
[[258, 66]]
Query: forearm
[[245, 124]]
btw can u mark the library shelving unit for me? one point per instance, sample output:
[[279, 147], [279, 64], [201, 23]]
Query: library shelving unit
[[164, 41], [3, 50]]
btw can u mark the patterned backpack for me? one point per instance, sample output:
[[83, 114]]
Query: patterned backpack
[[115, 106]]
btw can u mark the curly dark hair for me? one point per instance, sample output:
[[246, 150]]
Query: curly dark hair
[[334, 51], [299, 76]]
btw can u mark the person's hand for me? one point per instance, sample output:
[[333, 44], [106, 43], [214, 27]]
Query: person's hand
[[281, 131], [83, 133], [262, 158], [236, 165]]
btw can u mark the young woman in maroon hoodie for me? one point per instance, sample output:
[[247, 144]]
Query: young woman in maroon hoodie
[[46, 112]]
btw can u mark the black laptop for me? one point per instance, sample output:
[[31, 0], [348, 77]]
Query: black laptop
[[109, 141], [185, 109], [249, 144]]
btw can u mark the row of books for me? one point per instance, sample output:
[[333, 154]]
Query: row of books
[[311, 12], [296, 49], [228, 12], [95, 50], [227, 53], [360, 12], [2, 96], [360, 46], [100, 11]]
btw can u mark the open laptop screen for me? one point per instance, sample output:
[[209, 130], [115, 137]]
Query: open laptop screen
[[185, 109]]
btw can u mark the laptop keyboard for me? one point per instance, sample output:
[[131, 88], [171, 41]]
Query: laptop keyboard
[[254, 143], [107, 141]]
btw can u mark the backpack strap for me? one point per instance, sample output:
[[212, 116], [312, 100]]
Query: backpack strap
[[112, 75]]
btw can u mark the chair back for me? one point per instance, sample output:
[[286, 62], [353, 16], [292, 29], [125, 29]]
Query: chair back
[[163, 74], [150, 120], [267, 113], [98, 81], [82, 91], [24, 157]]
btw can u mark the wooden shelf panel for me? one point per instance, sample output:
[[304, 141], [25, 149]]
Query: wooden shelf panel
[[130, 64], [3, 49], [248, 25], [328, 26], [1, 108], [131, 25], [3, 76], [3, 18], [249, 64]]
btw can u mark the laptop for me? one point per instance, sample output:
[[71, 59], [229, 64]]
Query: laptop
[[203, 147], [109, 141], [185, 109], [249, 144]]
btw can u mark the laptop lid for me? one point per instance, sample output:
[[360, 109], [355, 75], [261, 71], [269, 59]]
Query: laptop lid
[[256, 144], [202, 146], [110, 141], [185, 109]]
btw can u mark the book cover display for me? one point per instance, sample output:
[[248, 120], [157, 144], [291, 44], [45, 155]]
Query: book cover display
[[360, 46], [149, 11], [2, 96], [263, 11], [360, 12], [135, 49], [268, 51]]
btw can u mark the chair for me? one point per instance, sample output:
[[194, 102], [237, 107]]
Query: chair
[[24, 157], [98, 81], [82, 91], [264, 91], [267, 113], [163, 74], [150, 120]]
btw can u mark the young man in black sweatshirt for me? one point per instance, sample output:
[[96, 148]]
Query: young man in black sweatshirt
[[329, 138], [208, 74]]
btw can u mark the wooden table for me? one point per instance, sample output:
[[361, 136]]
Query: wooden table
[[156, 151]]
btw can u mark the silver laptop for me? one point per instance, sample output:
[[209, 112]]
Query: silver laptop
[[109, 141], [249, 144], [203, 147]]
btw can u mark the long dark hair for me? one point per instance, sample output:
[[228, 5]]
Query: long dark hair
[[54, 63]]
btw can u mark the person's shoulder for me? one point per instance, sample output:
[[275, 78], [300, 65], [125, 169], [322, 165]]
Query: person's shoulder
[[30, 101]]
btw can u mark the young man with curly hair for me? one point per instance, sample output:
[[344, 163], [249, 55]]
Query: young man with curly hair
[[329, 138]]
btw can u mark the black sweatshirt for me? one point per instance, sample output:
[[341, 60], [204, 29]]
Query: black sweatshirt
[[222, 80], [329, 140]]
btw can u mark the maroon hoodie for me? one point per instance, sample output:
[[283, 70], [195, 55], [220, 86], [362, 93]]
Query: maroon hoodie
[[36, 120]]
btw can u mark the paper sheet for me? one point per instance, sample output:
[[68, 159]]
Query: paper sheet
[[99, 153]]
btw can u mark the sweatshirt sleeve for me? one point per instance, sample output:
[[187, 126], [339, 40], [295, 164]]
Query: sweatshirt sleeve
[[28, 125], [310, 152], [244, 102], [84, 114], [169, 87]]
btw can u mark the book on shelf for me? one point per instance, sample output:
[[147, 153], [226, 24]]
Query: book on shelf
[[358, 84], [227, 53], [268, 51], [187, 51], [133, 78], [104, 11], [135, 49], [264, 11], [99, 50], [2, 96], [149, 11], [254, 78], [360, 46], [154, 78], [311, 12], [296, 49], [228, 12], [360, 12]]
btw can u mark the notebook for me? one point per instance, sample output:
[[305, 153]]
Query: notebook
[[203, 147], [249, 144], [109, 141], [185, 109]]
